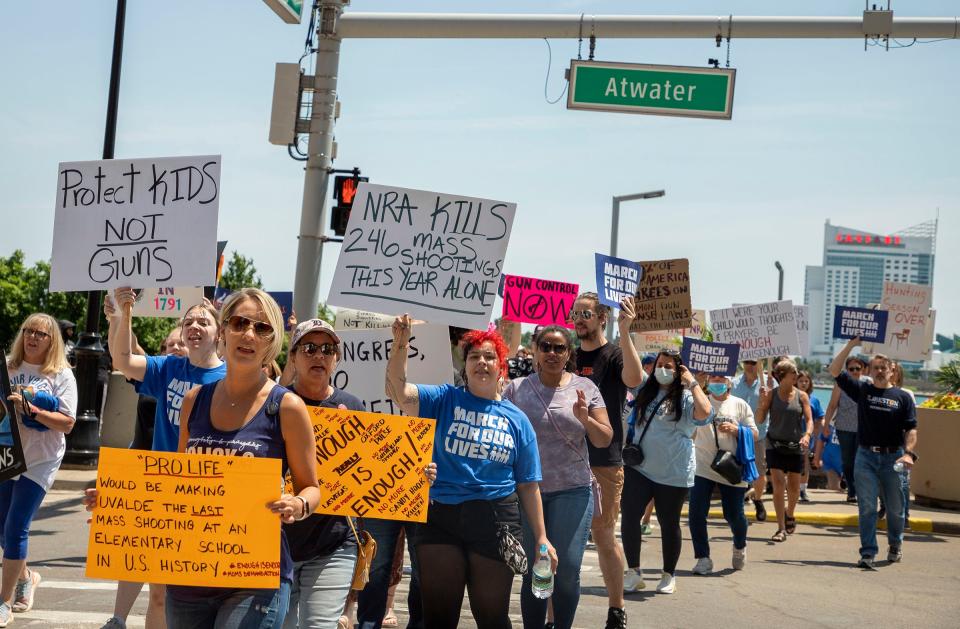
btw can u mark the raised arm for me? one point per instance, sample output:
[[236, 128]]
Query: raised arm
[[701, 405], [403, 393], [633, 373], [836, 367], [125, 360], [832, 406]]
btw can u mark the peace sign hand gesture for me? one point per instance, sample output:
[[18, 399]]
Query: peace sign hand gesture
[[401, 330]]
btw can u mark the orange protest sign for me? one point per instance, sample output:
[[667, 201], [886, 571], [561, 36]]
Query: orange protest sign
[[185, 519], [371, 464]]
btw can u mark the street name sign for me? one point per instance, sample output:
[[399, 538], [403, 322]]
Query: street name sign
[[651, 89]]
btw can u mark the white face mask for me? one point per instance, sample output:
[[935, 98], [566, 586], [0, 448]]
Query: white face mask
[[663, 375]]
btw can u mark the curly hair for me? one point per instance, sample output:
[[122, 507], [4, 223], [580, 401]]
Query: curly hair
[[476, 338]]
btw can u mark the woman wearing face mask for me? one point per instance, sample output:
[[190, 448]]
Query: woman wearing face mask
[[730, 413], [659, 462], [791, 426], [565, 410]]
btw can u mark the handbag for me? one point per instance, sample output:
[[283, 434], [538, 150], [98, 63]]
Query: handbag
[[366, 551], [725, 463], [632, 452]]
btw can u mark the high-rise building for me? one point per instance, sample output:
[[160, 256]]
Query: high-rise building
[[856, 263]]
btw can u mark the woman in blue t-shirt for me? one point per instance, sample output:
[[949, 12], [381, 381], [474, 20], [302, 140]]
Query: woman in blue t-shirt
[[805, 384], [487, 464]]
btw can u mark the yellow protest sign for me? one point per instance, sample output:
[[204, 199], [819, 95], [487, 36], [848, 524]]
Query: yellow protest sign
[[185, 519], [371, 464]]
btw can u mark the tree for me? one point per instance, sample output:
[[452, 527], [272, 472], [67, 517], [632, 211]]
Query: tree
[[239, 273]]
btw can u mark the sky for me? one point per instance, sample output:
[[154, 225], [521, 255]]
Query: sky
[[821, 130]]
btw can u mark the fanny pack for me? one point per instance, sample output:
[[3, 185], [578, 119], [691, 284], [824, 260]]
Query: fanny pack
[[792, 448]]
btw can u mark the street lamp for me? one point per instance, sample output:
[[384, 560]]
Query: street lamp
[[780, 285], [615, 228]]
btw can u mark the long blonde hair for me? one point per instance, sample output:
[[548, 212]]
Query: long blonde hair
[[56, 359]]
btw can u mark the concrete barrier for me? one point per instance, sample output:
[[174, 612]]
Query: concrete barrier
[[936, 476]]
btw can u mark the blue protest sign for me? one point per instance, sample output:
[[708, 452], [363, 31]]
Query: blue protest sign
[[284, 299], [616, 278], [714, 358], [849, 322]]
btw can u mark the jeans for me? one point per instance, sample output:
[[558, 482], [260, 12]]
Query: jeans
[[905, 484], [320, 588], [875, 475], [732, 500], [240, 609], [848, 454], [566, 515], [19, 501], [372, 602]]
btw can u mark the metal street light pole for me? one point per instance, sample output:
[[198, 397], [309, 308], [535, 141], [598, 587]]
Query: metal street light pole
[[780, 285]]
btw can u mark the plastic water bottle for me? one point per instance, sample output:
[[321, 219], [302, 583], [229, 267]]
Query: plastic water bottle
[[898, 467], [542, 585]]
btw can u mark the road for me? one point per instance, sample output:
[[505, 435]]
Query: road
[[808, 581]]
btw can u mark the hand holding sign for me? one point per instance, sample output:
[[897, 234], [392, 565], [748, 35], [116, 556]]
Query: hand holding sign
[[627, 314]]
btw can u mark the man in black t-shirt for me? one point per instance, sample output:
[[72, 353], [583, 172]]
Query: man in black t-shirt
[[613, 369], [886, 436]]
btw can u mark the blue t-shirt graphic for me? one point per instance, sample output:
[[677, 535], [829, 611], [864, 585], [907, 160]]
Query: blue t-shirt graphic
[[168, 378], [482, 448]]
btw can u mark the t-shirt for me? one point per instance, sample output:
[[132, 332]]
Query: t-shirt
[[750, 393], [168, 378], [732, 410], [669, 457], [43, 449], [563, 468], [816, 409], [883, 415], [319, 535], [604, 366], [482, 448]]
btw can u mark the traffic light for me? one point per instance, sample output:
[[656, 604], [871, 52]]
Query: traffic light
[[344, 191]]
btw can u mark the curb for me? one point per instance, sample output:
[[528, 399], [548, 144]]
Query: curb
[[917, 525], [74, 480]]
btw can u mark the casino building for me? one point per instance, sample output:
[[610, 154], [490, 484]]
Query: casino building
[[856, 263]]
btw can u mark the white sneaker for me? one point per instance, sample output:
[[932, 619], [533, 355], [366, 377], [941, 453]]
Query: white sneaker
[[668, 584], [704, 566], [632, 581], [739, 558], [6, 614]]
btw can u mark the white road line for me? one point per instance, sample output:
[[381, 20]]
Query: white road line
[[79, 585]]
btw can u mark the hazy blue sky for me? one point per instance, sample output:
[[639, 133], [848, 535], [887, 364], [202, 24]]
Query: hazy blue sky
[[821, 129]]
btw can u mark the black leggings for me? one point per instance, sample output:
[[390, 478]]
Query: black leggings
[[668, 501]]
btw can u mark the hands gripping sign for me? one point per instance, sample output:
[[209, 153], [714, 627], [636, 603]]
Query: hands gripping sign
[[135, 222], [437, 256]]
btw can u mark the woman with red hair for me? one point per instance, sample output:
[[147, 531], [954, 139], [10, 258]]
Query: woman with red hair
[[488, 466]]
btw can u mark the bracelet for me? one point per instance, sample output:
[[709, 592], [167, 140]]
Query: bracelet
[[306, 508]]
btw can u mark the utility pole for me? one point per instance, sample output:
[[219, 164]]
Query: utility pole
[[780, 284]]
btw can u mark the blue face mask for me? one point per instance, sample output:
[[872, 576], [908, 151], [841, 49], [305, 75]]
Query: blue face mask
[[717, 388]]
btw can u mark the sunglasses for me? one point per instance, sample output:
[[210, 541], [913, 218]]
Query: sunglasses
[[586, 315], [854, 369], [749, 362], [40, 334], [556, 348], [239, 325], [327, 349]]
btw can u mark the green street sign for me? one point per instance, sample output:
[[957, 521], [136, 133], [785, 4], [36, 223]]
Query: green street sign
[[651, 89], [289, 11]]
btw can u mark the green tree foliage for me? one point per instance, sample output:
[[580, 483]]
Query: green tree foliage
[[239, 273]]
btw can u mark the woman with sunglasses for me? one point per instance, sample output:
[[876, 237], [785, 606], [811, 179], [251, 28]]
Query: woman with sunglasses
[[45, 394], [487, 467], [565, 410], [660, 462]]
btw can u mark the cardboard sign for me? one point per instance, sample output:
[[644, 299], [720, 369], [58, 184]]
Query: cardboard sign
[[350, 319], [663, 296], [713, 358], [12, 462], [533, 300], [761, 330], [166, 302], [868, 324], [436, 256], [616, 278], [802, 315], [370, 465], [135, 222], [363, 362], [909, 311], [653, 342], [185, 519]]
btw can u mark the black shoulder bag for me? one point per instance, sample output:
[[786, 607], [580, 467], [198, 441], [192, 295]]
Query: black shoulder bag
[[632, 452], [725, 463]]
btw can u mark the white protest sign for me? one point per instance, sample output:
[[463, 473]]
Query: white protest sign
[[436, 256], [761, 330], [653, 342], [135, 222], [363, 362], [350, 319], [167, 302], [908, 337], [802, 315]]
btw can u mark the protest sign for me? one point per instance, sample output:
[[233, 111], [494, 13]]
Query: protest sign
[[364, 355], [653, 342], [12, 462], [371, 465], [542, 302], [284, 299], [761, 330], [166, 302], [350, 319], [663, 296], [909, 311], [185, 519], [868, 324], [135, 222], [616, 278], [802, 315], [713, 358], [436, 256]]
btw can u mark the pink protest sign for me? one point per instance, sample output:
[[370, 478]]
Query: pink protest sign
[[532, 300]]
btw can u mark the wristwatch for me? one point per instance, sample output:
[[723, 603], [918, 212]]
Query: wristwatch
[[911, 454]]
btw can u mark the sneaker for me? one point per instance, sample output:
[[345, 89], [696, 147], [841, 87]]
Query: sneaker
[[852, 500], [761, 511], [739, 558], [704, 566], [616, 618], [866, 563], [646, 528], [895, 554], [23, 596], [843, 483], [803, 496], [882, 513], [548, 625], [632, 581], [6, 615], [114, 623], [668, 584]]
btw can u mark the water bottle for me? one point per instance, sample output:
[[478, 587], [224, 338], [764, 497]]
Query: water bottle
[[898, 467], [542, 585]]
